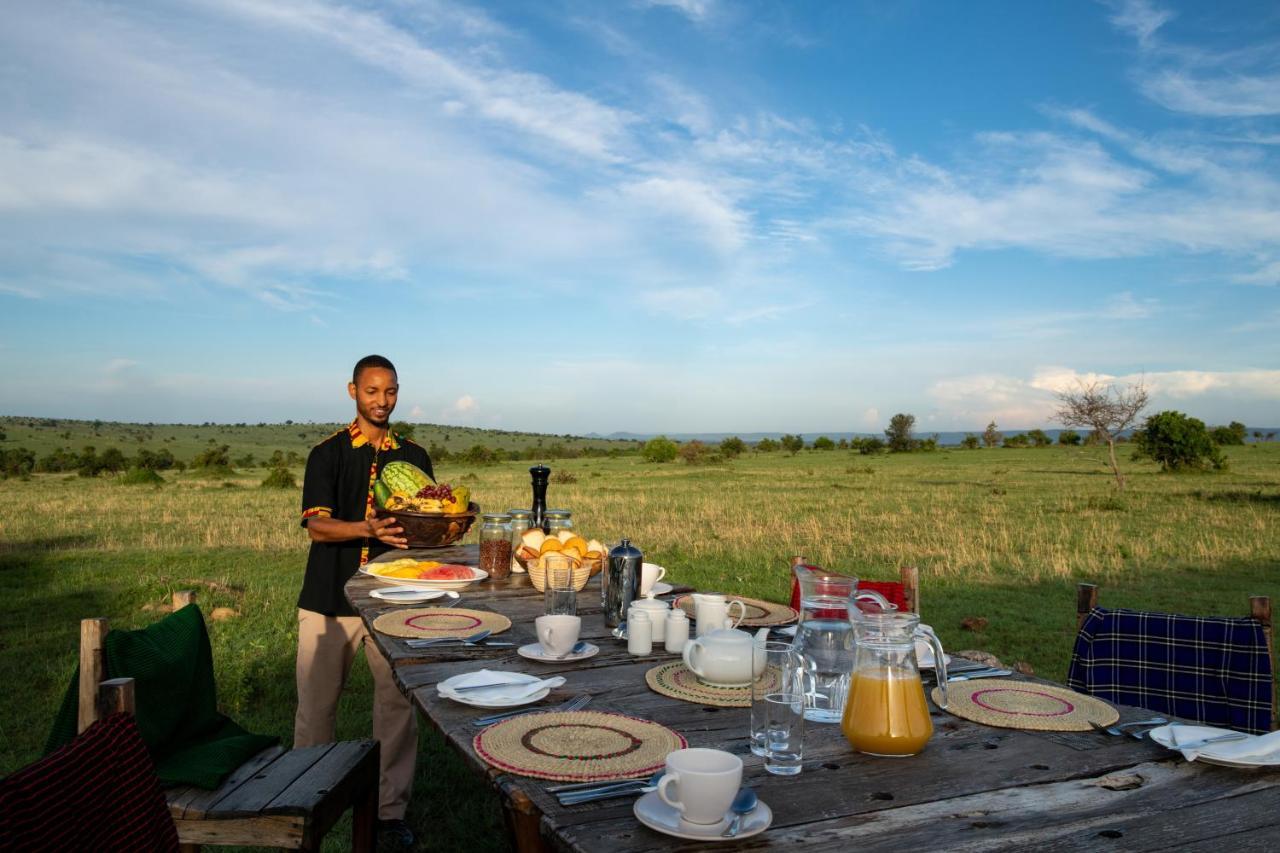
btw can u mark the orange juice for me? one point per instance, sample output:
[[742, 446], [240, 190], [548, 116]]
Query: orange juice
[[885, 713]]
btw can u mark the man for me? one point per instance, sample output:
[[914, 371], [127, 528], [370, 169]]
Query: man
[[337, 510]]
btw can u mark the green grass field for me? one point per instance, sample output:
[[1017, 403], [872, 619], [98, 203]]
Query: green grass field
[[998, 534]]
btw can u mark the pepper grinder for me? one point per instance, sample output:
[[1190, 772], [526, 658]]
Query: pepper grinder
[[538, 512]]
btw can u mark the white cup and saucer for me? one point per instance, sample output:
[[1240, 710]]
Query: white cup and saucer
[[651, 575], [694, 796], [557, 637]]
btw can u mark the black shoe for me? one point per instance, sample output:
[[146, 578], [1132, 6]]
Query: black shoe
[[394, 835]]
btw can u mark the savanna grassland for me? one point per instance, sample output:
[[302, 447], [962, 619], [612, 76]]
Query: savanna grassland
[[1001, 534]]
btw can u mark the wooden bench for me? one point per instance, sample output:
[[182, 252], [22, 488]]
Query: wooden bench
[[279, 798]]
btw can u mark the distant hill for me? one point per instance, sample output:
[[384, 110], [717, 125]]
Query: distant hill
[[949, 438]]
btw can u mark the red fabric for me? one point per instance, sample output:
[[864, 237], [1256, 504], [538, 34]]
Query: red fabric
[[893, 591], [99, 792]]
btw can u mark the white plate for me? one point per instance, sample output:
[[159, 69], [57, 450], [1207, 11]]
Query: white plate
[[924, 655], [478, 700], [655, 814], [661, 588], [476, 575], [406, 594], [534, 651], [1187, 734]]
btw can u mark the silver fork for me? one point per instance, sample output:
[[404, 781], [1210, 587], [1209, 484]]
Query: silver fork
[[1118, 730], [577, 703]]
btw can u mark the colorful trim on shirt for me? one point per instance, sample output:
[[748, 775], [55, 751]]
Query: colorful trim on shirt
[[390, 441], [317, 512]]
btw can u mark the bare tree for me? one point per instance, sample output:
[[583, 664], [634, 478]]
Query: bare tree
[[1106, 410]]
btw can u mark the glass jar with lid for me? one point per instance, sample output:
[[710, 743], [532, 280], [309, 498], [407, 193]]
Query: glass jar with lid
[[557, 520], [495, 544], [521, 520]]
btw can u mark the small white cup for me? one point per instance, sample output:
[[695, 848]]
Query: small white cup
[[558, 634], [706, 782], [650, 573]]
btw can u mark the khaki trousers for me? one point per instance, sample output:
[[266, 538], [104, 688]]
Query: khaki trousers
[[326, 648]]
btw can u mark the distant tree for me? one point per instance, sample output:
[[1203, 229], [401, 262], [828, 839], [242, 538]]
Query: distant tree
[[279, 478], [928, 445], [793, 444], [767, 445], [970, 442], [823, 443], [213, 458], [480, 454], [870, 445], [404, 429], [17, 462], [1016, 440], [247, 461], [3, 435], [1257, 435], [1177, 442], [991, 436], [843, 444], [59, 460], [1229, 436], [1069, 437], [659, 449], [731, 447], [898, 435], [112, 460], [1039, 438], [696, 453], [1104, 408], [87, 463]]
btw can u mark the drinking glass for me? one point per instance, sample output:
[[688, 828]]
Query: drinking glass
[[784, 733], [560, 598], [776, 668]]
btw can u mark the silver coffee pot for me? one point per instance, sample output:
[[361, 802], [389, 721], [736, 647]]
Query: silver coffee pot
[[620, 582]]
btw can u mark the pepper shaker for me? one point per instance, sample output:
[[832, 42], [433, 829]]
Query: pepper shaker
[[537, 514], [677, 631], [639, 633]]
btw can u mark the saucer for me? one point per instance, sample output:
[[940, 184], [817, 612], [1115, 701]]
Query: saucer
[[661, 588], [534, 651], [405, 594], [655, 814]]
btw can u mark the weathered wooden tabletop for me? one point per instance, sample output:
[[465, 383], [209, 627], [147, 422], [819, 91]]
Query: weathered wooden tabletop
[[973, 788]]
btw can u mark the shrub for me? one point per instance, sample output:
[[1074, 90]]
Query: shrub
[[1229, 436], [213, 457], [161, 460], [247, 461], [793, 444], [970, 442], [112, 460], [823, 443], [766, 445], [18, 462], [438, 453], [1039, 438], [659, 449], [1019, 440], [1069, 437], [279, 478], [898, 433], [731, 447], [868, 446], [697, 453], [136, 476], [563, 477], [404, 429], [928, 445], [480, 454], [1177, 442], [59, 460]]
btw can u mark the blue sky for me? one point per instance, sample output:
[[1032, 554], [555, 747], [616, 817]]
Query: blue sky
[[643, 215]]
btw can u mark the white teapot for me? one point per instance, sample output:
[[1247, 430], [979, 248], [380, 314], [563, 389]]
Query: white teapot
[[724, 657]]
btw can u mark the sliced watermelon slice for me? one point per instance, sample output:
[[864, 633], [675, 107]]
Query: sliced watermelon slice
[[447, 572]]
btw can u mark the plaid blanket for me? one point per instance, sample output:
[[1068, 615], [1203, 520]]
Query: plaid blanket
[[99, 792], [1213, 670], [171, 663]]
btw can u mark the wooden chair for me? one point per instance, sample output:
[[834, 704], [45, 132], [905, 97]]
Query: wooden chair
[[280, 798], [909, 579], [1259, 609]]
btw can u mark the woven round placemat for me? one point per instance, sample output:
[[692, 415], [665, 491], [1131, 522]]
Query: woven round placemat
[[759, 614], [1025, 705], [675, 680], [577, 746], [437, 622]]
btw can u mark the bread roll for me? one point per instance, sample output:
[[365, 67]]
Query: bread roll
[[533, 538]]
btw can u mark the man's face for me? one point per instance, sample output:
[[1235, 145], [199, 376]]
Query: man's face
[[375, 391]]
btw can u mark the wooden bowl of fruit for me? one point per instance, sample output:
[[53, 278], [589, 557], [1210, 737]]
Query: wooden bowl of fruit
[[432, 529]]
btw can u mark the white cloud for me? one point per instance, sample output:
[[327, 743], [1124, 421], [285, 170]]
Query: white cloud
[[1232, 96], [1140, 17], [695, 10]]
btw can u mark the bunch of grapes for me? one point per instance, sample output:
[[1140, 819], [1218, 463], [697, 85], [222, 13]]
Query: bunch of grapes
[[442, 492]]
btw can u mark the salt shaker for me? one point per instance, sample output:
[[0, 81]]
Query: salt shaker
[[639, 633], [677, 631]]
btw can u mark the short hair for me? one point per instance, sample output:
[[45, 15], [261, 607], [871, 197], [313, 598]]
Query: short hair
[[371, 361]]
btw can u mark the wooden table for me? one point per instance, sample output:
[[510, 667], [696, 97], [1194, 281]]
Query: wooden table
[[973, 788]]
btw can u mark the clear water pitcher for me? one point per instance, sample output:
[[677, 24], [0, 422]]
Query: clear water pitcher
[[825, 637]]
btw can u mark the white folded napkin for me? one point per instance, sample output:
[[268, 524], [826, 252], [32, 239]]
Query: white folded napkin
[[1251, 748], [511, 685]]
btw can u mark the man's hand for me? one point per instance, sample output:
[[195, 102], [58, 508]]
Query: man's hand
[[385, 531]]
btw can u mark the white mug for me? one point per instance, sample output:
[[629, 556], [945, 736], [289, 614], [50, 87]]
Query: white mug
[[706, 781], [650, 573], [558, 634]]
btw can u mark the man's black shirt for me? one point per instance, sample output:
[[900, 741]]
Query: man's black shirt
[[339, 484]]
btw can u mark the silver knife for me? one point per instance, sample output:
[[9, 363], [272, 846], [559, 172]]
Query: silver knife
[[991, 673], [1196, 744]]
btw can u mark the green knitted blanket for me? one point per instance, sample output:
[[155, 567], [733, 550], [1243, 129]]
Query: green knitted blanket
[[171, 663]]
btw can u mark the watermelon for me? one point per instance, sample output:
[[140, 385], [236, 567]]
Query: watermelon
[[447, 573], [404, 478], [381, 493]]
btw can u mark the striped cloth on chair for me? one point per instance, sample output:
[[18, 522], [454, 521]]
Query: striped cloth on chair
[[1213, 670]]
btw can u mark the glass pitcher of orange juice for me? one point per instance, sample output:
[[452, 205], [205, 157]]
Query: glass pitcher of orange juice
[[885, 712]]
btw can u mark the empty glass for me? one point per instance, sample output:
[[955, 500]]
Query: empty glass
[[784, 733], [559, 597], [776, 669]]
